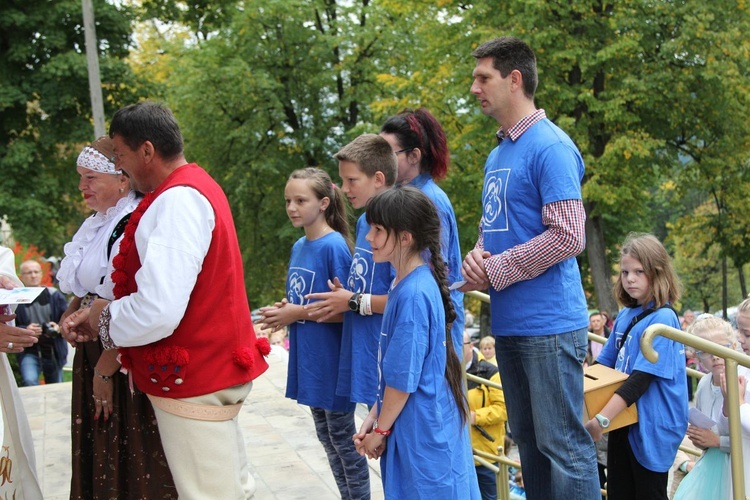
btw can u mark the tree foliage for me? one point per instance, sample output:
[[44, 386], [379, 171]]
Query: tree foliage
[[654, 92], [45, 112], [289, 85]]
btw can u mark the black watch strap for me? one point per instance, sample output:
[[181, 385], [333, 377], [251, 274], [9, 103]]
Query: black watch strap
[[354, 302]]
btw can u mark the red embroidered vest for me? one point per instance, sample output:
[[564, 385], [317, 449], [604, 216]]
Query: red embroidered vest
[[214, 346]]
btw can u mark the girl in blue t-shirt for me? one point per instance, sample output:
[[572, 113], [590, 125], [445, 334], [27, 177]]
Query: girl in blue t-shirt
[[418, 423], [639, 455], [315, 204]]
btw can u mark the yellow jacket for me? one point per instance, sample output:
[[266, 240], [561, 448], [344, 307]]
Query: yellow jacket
[[488, 406]]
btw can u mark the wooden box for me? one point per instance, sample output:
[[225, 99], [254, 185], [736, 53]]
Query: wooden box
[[599, 384]]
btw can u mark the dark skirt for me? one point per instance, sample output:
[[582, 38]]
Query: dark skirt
[[121, 458]]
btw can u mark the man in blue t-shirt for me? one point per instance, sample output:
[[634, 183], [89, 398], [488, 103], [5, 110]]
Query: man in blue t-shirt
[[532, 228]]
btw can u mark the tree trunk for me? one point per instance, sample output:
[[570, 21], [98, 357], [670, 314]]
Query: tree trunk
[[601, 273], [743, 284]]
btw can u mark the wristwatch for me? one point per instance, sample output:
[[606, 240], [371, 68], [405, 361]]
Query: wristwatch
[[378, 430], [603, 421], [354, 302]]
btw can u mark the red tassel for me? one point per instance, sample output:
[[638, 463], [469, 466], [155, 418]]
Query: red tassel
[[119, 261], [168, 355], [244, 357], [263, 346]]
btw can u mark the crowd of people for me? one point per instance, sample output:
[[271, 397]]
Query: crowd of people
[[375, 316]]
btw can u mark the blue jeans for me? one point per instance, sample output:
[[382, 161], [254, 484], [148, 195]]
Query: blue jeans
[[543, 384], [350, 470], [487, 482], [32, 365]]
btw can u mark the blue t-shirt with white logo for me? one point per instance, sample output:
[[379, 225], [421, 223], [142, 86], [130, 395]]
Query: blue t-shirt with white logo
[[663, 408], [542, 166], [314, 347]]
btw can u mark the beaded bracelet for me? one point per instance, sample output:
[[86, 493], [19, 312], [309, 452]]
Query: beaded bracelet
[[106, 378]]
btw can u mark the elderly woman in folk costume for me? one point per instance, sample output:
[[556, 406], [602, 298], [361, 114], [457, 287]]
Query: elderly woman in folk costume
[[117, 452]]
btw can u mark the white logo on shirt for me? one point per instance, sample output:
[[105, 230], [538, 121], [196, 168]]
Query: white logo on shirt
[[358, 271], [494, 202], [298, 284]]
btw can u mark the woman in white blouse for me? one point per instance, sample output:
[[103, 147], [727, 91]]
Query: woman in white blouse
[[104, 413]]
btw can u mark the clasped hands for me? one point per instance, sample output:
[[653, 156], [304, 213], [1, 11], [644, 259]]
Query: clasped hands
[[83, 325], [369, 443], [325, 306]]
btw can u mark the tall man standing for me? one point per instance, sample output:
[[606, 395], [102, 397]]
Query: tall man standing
[[181, 318], [532, 228]]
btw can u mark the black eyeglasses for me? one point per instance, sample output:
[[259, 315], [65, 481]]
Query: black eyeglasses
[[405, 150]]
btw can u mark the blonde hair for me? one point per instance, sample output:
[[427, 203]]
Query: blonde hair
[[489, 340], [664, 285], [744, 307], [706, 325]]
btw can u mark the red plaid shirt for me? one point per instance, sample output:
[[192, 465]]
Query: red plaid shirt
[[564, 237]]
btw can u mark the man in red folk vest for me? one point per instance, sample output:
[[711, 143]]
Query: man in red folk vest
[[180, 317]]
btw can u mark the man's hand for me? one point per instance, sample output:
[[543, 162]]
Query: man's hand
[[328, 304], [7, 283], [35, 327], [474, 271], [77, 327]]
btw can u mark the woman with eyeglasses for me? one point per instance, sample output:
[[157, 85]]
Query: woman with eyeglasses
[[421, 149]]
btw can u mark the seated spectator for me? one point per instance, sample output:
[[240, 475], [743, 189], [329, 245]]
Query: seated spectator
[[712, 470]]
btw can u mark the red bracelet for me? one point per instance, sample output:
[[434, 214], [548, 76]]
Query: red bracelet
[[378, 430]]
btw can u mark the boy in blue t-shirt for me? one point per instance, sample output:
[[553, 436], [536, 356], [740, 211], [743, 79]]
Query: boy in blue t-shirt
[[367, 166]]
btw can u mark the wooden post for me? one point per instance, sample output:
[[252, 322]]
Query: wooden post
[[92, 57]]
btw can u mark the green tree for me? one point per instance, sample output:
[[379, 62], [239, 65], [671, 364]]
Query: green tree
[[609, 72], [703, 121], [45, 107], [289, 84]]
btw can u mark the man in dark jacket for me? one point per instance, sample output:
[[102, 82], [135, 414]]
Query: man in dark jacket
[[48, 356]]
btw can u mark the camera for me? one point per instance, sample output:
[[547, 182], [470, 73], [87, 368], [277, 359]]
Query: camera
[[49, 332]]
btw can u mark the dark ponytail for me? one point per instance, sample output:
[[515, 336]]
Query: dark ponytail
[[418, 129]]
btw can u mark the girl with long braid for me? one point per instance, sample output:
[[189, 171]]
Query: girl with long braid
[[418, 425]]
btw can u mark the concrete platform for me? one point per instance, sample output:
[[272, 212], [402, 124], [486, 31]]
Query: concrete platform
[[285, 456]]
